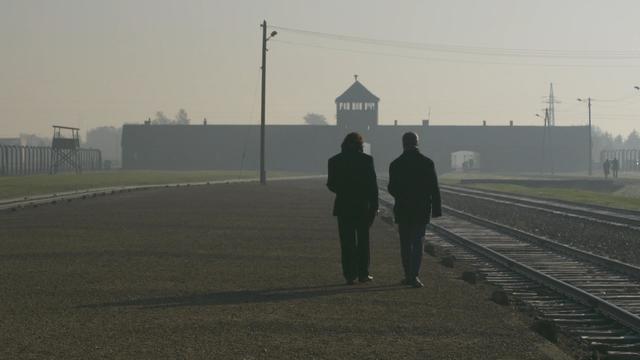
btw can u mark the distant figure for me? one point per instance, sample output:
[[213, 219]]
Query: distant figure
[[414, 185], [352, 178], [606, 167], [615, 166]]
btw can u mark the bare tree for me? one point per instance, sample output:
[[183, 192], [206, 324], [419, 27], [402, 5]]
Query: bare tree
[[618, 142], [161, 119], [633, 140], [315, 119], [182, 118]]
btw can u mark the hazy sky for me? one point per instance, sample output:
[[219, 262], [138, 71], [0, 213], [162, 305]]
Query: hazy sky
[[88, 63]]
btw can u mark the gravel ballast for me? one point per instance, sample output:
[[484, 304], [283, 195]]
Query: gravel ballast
[[234, 271], [599, 238]]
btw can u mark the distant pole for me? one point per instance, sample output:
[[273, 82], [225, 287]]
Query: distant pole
[[590, 140], [544, 139], [543, 158], [552, 106], [263, 173], [549, 126]]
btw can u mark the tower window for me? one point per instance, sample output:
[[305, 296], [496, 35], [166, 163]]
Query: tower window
[[343, 106]]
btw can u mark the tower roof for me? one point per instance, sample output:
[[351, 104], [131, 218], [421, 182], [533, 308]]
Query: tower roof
[[357, 92]]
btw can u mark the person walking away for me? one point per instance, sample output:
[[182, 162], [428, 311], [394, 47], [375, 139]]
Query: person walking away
[[606, 166], [413, 183], [615, 166], [352, 178]]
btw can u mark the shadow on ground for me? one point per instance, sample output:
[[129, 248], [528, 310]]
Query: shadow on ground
[[245, 296]]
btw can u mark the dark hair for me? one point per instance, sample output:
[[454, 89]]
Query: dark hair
[[409, 139], [352, 142]]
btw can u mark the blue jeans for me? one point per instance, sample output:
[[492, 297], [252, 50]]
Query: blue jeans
[[411, 242]]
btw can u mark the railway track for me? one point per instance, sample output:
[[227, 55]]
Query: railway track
[[611, 216], [591, 298]]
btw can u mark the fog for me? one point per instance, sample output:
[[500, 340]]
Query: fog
[[92, 63]]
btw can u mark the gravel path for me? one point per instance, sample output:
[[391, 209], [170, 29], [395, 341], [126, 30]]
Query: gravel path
[[230, 272]]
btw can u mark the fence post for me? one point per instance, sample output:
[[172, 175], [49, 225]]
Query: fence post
[[29, 155], [38, 151], [14, 160], [3, 164]]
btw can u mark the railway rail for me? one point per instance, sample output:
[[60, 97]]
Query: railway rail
[[589, 297], [611, 216]]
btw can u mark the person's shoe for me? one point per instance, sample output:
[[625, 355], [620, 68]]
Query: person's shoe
[[417, 283], [366, 279], [351, 281]]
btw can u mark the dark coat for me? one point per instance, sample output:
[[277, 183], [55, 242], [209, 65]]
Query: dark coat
[[352, 178], [414, 185]]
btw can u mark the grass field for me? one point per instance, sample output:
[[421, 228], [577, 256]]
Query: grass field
[[628, 197], [615, 199], [24, 186]]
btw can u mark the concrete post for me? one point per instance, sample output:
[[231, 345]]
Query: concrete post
[[21, 160], [14, 160], [3, 163]]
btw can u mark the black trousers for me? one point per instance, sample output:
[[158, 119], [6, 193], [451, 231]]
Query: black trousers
[[411, 245], [354, 243]]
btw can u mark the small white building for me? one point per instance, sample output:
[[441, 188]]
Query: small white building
[[464, 160]]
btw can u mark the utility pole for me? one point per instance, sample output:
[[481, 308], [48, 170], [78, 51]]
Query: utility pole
[[590, 140], [547, 116], [543, 158], [263, 173], [552, 106]]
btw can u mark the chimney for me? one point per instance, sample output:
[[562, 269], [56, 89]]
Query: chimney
[[425, 122], [510, 122], [395, 122], [484, 122]]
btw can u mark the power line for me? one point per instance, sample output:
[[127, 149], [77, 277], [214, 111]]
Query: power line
[[473, 50], [449, 60]]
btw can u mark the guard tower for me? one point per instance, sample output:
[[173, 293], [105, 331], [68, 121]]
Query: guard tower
[[64, 149], [357, 108]]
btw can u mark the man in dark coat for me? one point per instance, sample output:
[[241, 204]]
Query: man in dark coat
[[352, 178], [414, 185], [606, 166], [615, 166]]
